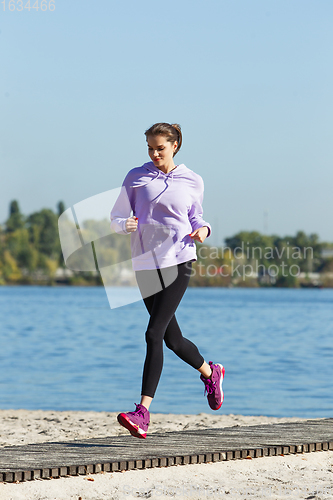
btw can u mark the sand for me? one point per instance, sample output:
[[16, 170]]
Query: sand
[[302, 476]]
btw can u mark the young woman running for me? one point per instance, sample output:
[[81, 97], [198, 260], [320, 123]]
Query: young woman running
[[167, 217]]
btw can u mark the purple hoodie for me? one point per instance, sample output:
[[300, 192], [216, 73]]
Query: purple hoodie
[[168, 207]]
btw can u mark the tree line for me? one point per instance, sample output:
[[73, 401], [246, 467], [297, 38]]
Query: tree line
[[30, 253]]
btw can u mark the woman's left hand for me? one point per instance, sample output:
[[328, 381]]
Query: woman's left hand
[[200, 234]]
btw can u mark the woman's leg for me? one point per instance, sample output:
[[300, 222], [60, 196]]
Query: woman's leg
[[163, 324], [184, 348]]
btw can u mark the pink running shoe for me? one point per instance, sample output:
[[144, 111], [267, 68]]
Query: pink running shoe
[[136, 422], [213, 386]]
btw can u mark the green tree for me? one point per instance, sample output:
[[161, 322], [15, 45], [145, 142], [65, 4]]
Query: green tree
[[16, 219], [43, 232], [61, 208], [17, 242], [311, 249], [9, 268]]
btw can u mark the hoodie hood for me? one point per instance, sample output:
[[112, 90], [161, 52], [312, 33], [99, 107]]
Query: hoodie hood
[[149, 172], [178, 170]]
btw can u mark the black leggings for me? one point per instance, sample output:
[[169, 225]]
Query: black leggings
[[163, 324]]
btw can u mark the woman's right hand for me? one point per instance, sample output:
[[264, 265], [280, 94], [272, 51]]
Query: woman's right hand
[[131, 224]]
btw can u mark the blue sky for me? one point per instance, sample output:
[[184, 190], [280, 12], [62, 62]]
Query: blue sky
[[250, 82]]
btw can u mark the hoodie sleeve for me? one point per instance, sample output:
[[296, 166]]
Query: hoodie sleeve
[[121, 211], [195, 213]]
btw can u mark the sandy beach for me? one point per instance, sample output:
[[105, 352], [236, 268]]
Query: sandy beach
[[301, 476]]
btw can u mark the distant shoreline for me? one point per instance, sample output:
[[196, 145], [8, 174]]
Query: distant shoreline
[[97, 285]]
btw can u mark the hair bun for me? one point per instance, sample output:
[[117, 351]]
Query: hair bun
[[176, 126], [179, 133]]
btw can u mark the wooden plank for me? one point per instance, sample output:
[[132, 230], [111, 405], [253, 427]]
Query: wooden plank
[[18, 476], [123, 465], [55, 472], [73, 470], [45, 473], [63, 471], [27, 475], [9, 477]]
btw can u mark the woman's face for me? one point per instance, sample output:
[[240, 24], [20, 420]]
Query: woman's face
[[161, 151]]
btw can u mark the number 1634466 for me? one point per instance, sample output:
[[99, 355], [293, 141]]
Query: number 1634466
[[20, 5]]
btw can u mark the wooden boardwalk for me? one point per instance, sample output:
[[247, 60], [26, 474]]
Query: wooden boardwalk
[[56, 459]]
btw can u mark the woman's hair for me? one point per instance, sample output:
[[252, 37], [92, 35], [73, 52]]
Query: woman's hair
[[172, 132]]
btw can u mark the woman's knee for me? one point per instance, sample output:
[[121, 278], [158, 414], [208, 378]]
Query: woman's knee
[[153, 337], [174, 345]]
